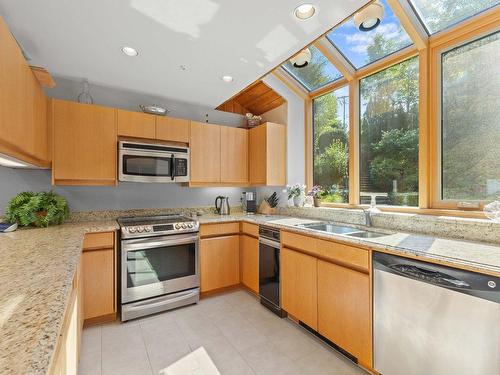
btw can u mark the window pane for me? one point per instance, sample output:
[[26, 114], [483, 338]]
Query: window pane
[[389, 135], [364, 47], [471, 120], [317, 73], [330, 137], [440, 14]]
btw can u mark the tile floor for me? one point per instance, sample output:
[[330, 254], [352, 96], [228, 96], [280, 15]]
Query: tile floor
[[227, 334]]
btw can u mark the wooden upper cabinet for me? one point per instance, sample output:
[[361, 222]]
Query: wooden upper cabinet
[[234, 155], [205, 153], [344, 315], [135, 124], [267, 155], [172, 129], [85, 140], [23, 106], [299, 286]]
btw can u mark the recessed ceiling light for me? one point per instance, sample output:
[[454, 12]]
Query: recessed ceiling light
[[304, 11], [227, 79], [129, 51]]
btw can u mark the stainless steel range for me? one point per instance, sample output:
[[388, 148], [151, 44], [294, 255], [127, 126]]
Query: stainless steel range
[[159, 264]]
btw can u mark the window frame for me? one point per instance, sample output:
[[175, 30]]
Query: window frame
[[428, 48]]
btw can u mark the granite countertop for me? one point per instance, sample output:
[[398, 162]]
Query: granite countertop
[[38, 265], [36, 272], [478, 256]]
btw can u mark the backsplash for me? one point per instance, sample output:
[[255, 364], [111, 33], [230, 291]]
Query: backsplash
[[440, 226]]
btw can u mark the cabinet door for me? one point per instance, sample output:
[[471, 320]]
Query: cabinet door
[[344, 309], [234, 155], [257, 155], [205, 152], [220, 262], [98, 283], [276, 154], [84, 144], [299, 286], [172, 129], [249, 262], [135, 124], [23, 129]]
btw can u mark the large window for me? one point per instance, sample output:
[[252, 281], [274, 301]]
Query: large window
[[330, 148], [470, 153], [440, 14], [389, 135]]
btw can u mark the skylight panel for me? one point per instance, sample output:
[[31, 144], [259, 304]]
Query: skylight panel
[[364, 47], [440, 14], [319, 72]]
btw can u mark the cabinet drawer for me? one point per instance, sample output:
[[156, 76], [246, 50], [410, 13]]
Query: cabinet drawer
[[250, 229], [219, 229], [102, 240], [299, 242], [344, 254]]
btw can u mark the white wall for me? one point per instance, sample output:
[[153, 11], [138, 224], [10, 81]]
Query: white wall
[[292, 114]]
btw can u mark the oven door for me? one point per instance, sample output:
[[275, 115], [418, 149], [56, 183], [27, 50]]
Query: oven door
[[144, 166], [156, 266]]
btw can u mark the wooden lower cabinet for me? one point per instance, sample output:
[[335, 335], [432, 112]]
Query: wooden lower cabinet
[[98, 283], [344, 315], [249, 262], [67, 351], [299, 289], [219, 262]]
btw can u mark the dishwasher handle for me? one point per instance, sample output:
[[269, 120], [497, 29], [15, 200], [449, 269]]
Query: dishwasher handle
[[428, 275]]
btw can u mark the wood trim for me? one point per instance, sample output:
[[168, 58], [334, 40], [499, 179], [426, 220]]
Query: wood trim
[[219, 229], [354, 142], [225, 289], [341, 82], [290, 83], [103, 182], [249, 229], [43, 76], [98, 240], [411, 24], [308, 139], [100, 319], [15, 152], [387, 62], [336, 58], [467, 29], [423, 120]]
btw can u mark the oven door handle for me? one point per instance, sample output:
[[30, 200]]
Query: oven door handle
[[151, 244], [271, 243]]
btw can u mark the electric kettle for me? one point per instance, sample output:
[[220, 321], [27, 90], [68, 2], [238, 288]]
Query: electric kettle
[[222, 208]]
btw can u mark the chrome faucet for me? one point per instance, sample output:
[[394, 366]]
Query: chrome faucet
[[368, 217]]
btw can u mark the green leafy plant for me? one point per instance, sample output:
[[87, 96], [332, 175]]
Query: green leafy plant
[[39, 209]]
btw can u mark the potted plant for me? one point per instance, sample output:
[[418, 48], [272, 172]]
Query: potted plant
[[39, 209], [317, 193], [296, 192]]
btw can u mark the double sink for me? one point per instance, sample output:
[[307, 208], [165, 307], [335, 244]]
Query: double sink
[[339, 229]]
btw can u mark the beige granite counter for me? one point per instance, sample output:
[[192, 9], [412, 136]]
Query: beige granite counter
[[36, 273], [37, 268], [480, 257]]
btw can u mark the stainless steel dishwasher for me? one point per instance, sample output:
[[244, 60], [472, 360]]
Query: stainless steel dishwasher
[[434, 320]]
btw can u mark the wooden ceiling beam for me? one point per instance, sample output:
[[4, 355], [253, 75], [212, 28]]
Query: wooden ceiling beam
[[336, 58], [410, 22]]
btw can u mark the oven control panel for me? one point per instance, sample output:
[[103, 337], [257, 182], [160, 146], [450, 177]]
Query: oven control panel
[[158, 229]]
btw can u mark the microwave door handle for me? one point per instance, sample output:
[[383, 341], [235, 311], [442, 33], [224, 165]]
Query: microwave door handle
[[172, 169]]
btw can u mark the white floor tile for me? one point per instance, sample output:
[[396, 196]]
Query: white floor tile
[[225, 334]]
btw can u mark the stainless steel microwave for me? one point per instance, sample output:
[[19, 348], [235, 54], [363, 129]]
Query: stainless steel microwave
[[149, 162]]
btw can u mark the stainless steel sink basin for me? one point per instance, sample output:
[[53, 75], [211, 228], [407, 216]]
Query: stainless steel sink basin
[[366, 234], [330, 228]]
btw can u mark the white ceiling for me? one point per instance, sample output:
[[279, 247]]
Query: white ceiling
[[241, 38]]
